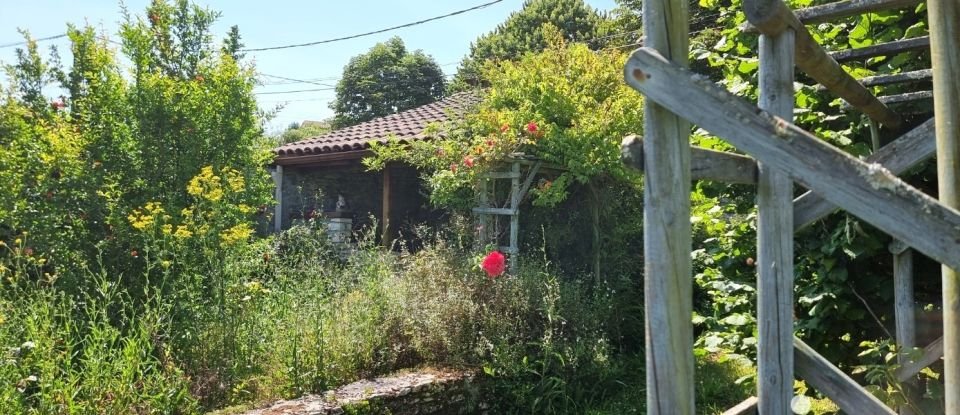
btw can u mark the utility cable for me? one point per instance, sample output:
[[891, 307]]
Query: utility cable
[[319, 42]]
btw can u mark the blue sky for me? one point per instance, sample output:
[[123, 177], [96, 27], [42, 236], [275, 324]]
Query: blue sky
[[279, 22]]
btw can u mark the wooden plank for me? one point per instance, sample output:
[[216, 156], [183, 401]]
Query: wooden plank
[[515, 218], [278, 196], [705, 164], [772, 17], [898, 98], [836, 10], [531, 174], [775, 238], [909, 150], [387, 238], [747, 407], [864, 189], [931, 353], [833, 383], [903, 77], [668, 275], [494, 211], [904, 314], [484, 220], [882, 49], [944, 20], [499, 175]]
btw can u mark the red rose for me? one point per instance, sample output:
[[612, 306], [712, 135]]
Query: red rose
[[453, 167], [532, 127], [489, 143], [134, 253], [468, 161], [504, 128], [494, 264]]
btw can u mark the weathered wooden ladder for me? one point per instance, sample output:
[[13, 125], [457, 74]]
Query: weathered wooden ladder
[[785, 154]]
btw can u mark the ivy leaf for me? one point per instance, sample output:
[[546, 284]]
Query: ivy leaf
[[916, 30]]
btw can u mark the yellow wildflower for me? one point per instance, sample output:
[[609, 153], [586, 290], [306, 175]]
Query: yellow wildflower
[[18, 241], [165, 263], [235, 180], [236, 234], [167, 229], [244, 209], [182, 232]]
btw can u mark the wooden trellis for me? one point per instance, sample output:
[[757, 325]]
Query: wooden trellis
[[488, 212], [785, 154]]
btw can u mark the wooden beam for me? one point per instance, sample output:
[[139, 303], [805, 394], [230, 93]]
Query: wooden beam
[[833, 383], [931, 353], [836, 10], [705, 164], [515, 218], [882, 49], [531, 174], [898, 98], [668, 272], [278, 196], [747, 407], [771, 17], [903, 77], [324, 158], [944, 19], [387, 238], [499, 175], [775, 238], [867, 190], [904, 314], [912, 148]]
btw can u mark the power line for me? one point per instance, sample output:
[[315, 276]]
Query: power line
[[299, 45], [24, 42], [294, 91], [296, 81]]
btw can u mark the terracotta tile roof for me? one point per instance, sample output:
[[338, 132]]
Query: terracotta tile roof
[[406, 125]]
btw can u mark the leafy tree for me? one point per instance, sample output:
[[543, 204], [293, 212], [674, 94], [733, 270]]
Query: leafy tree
[[522, 33], [296, 132], [386, 80]]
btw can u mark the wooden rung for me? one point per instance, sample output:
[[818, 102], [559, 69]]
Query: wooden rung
[[501, 175], [772, 17], [507, 249], [931, 353], [882, 49], [830, 381], [747, 407], [911, 76], [840, 9], [494, 211], [899, 98], [705, 164]]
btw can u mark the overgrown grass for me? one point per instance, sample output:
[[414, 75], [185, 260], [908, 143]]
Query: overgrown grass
[[285, 316]]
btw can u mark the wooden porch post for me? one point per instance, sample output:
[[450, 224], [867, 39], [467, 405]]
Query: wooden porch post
[[278, 195], [775, 238], [668, 283], [386, 238], [944, 17]]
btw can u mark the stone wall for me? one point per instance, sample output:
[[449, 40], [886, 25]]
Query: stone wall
[[417, 393]]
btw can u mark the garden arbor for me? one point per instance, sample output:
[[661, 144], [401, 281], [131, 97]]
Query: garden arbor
[[785, 154]]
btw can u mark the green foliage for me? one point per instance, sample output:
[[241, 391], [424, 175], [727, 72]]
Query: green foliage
[[385, 80], [296, 132], [566, 105], [523, 33]]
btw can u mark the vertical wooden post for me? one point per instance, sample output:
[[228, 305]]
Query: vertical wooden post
[[668, 282], [595, 219], [904, 314], [484, 218], [775, 238], [944, 17], [386, 238], [278, 195], [515, 218]]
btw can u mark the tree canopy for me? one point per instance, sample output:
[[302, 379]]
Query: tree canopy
[[522, 32], [386, 80]]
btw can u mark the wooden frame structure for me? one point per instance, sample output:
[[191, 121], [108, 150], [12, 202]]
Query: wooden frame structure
[[785, 154], [488, 211]]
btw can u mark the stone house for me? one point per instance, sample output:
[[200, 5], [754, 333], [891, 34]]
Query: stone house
[[324, 177]]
